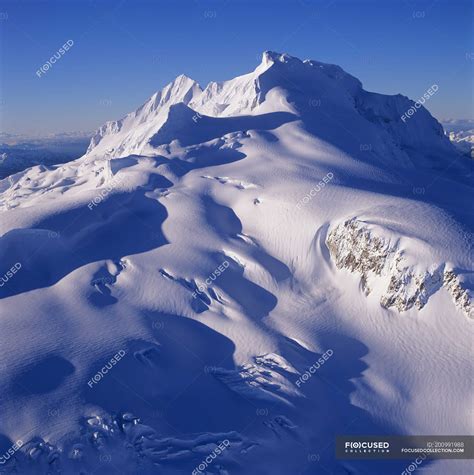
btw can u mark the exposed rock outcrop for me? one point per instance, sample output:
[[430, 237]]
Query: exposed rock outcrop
[[380, 262]]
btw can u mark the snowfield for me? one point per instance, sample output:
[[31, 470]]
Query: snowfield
[[177, 282]]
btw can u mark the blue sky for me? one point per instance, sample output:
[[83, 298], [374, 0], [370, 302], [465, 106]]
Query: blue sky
[[125, 50]]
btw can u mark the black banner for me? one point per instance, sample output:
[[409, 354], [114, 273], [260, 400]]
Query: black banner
[[405, 447]]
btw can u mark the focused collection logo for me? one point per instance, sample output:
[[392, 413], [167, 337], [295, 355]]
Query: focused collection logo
[[367, 447], [404, 447]]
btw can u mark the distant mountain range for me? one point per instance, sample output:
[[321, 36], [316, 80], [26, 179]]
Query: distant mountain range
[[18, 152]]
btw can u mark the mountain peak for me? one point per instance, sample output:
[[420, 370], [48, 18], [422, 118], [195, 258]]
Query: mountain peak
[[269, 57], [280, 83], [183, 79]]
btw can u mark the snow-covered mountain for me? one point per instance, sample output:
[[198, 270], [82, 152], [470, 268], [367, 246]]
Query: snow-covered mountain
[[305, 89], [232, 276]]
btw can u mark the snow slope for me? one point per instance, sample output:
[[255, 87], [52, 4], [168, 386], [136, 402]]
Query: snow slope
[[206, 251]]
